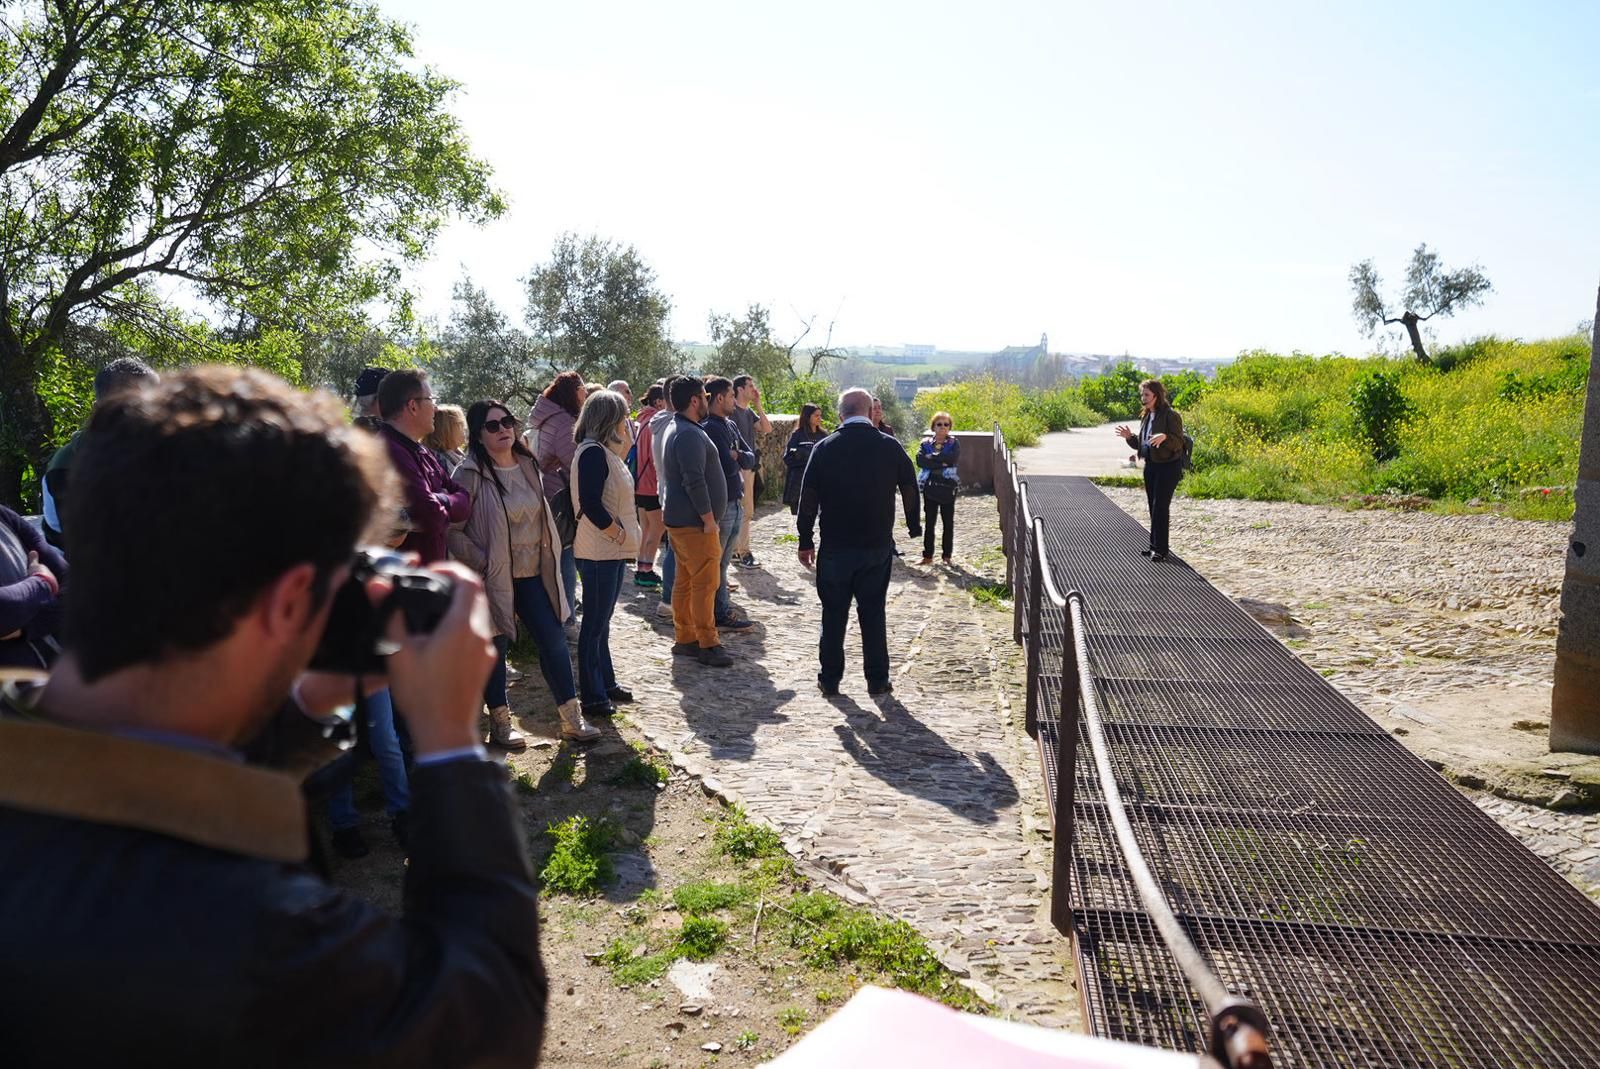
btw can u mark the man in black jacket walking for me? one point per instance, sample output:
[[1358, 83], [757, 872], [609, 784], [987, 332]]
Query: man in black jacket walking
[[159, 906], [852, 478]]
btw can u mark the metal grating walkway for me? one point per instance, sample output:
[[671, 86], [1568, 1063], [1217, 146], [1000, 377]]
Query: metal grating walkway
[[1375, 915]]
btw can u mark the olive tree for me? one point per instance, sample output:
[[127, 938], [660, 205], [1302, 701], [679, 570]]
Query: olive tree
[[1430, 291]]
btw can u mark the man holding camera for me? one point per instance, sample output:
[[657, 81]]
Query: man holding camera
[[152, 827]]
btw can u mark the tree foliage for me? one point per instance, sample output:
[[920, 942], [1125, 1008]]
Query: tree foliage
[[1430, 291], [277, 161], [482, 354], [745, 346], [595, 308]]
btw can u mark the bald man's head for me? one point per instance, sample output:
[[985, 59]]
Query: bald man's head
[[854, 402]]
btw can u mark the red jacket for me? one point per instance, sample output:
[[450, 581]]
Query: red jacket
[[433, 499]]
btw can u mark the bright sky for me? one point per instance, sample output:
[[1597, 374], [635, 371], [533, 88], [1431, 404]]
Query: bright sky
[[1164, 178]]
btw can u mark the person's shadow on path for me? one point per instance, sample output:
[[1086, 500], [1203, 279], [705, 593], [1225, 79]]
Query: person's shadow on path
[[725, 706], [913, 758]]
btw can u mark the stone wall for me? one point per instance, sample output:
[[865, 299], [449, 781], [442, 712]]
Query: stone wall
[[770, 446]]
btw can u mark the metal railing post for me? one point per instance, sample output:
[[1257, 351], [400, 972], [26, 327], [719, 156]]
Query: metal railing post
[[1066, 772], [1022, 526], [1031, 639]]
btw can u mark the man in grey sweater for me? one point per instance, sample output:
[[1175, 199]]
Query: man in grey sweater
[[694, 495]]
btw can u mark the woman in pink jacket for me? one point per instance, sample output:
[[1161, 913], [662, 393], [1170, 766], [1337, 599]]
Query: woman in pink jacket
[[550, 424]]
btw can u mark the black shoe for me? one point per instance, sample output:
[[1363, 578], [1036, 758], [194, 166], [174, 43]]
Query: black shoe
[[715, 657], [734, 623], [400, 828], [1146, 552], [1158, 557], [686, 649], [599, 709], [620, 695], [876, 689], [829, 690], [349, 843]]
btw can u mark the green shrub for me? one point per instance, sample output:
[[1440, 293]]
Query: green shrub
[[579, 865], [1059, 410], [1380, 408]]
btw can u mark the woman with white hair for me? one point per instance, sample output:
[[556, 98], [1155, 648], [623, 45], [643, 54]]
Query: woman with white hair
[[607, 540]]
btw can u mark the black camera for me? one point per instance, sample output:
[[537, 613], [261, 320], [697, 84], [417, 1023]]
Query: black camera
[[354, 641]]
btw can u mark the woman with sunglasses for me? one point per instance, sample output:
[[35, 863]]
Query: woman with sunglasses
[[937, 459], [511, 538]]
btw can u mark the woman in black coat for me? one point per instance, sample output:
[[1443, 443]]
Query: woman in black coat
[[798, 452], [1160, 442]]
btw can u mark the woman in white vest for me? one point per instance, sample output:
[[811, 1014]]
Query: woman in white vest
[[607, 540], [510, 538]]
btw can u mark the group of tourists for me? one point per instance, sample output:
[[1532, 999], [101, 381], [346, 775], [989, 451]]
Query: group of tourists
[[187, 691]]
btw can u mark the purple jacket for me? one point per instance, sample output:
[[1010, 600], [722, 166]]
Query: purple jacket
[[432, 498], [26, 604]]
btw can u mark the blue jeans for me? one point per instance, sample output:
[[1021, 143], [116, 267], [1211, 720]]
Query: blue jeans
[[391, 767], [602, 582], [669, 571], [726, 530], [569, 580], [861, 575], [533, 608]]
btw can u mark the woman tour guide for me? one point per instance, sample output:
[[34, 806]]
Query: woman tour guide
[[1160, 443]]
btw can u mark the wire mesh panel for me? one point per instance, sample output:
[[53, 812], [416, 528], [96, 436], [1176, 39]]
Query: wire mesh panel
[[1323, 871]]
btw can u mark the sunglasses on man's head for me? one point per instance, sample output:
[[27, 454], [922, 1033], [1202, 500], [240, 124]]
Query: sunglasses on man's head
[[494, 425]]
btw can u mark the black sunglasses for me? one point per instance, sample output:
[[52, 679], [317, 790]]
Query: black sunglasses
[[494, 425]]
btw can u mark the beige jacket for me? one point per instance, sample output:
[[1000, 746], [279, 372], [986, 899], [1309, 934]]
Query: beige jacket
[[483, 543], [592, 543]]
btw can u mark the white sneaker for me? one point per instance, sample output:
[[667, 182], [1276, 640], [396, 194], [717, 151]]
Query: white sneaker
[[573, 725], [664, 609]]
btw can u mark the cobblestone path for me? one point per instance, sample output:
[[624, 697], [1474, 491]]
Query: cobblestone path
[[926, 803]]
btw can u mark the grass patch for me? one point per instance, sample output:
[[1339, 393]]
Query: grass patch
[[642, 769], [703, 896], [1127, 482], [792, 1020], [828, 933], [993, 595], [701, 937], [787, 539], [630, 968], [579, 865], [736, 836], [746, 1040]]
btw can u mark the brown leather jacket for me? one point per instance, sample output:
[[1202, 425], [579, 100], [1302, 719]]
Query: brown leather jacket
[[1164, 420]]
